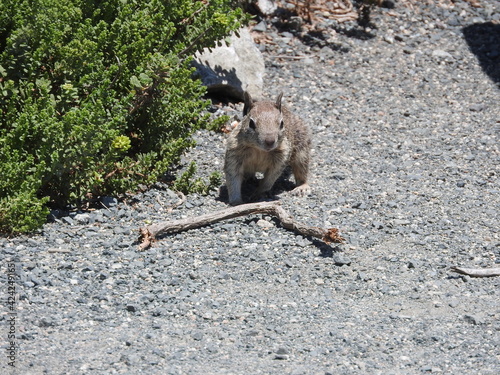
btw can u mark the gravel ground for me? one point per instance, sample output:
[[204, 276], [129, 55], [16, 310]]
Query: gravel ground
[[406, 163]]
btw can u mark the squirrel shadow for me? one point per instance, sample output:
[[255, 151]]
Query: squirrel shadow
[[250, 185], [484, 42]]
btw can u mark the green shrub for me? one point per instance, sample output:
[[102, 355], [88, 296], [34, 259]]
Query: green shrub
[[186, 182], [97, 96]]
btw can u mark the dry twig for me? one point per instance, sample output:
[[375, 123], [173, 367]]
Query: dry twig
[[58, 250], [477, 272], [182, 199], [290, 57], [341, 10], [148, 234]]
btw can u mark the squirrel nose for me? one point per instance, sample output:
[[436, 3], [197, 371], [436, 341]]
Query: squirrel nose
[[269, 142]]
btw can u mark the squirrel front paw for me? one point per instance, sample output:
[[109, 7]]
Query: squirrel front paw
[[302, 190]]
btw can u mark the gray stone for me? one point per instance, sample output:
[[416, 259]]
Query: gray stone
[[402, 222], [68, 220], [474, 319], [45, 322], [282, 354], [389, 39], [441, 54], [233, 67], [341, 260], [197, 335], [82, 218], [413, 263], [131, 308], [261, 26]]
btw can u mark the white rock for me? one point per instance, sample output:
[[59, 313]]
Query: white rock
[[267, 7], [232, 68]]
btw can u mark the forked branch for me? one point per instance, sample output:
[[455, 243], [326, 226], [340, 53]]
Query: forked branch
[[148, 234]]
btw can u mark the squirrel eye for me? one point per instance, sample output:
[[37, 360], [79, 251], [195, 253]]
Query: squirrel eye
[[282, 124], [252, 124]]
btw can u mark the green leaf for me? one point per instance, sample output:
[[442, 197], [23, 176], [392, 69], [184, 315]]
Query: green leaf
[[135, 82]]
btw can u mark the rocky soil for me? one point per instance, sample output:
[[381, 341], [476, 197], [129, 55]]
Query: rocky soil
[[406, 163]]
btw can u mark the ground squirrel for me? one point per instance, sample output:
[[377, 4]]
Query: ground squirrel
[[269, 138]]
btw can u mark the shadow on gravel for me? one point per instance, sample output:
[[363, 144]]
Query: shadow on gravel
[[356, 32], [214, 77], [484, 42], [326, 251], [319, 39], [288, 20]]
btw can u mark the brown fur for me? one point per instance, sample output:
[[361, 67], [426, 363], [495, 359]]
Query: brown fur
[[269, 138]]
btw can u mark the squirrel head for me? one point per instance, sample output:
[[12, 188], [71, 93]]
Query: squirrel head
[[263, 123]]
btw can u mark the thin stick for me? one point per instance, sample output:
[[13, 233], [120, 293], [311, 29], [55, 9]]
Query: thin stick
[[290, 57], [477, 272], [56, 250], [180, 202], [148, 234]]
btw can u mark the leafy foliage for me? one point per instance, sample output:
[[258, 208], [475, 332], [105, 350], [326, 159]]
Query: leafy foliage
[[187, 183], [97, 96]]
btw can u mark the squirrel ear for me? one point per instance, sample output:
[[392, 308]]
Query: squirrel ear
[[248, 103], [278, 101]]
